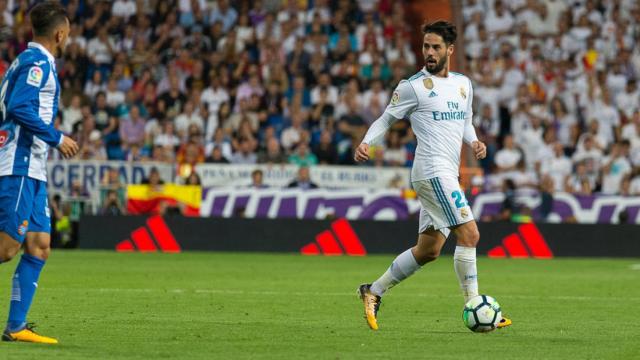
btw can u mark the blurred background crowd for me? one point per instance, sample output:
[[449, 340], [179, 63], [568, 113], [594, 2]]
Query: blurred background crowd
[[300, 81], [556, 95]]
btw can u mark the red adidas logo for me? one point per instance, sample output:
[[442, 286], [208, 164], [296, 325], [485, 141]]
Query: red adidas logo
[[143, 242], [326, 242], [514, 246]]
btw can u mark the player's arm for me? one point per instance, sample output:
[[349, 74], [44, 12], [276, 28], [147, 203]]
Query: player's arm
[[24, 105], [402, 103], [469, 136]]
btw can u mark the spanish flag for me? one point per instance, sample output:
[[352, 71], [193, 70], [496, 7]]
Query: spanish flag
[[146, 199]]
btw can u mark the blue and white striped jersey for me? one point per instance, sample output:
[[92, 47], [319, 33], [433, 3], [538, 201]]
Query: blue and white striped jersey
[[29, 96]]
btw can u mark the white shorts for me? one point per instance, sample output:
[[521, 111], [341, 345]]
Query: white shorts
[[443, 204]]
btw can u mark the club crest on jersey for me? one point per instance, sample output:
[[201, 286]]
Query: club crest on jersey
[[22, 229], [395, 98], [428, 83], [463, 93], [34, 77], [464, 213], [4, 137]]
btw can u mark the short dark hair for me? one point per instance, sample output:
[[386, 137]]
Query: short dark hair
[[46, 17], [443, 28]]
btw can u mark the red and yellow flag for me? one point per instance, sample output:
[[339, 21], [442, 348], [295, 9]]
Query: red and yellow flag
[[145, 199]]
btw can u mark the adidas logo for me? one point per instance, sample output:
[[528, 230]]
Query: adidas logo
[[514, 246], [141, 239], [327, 244], [433, 94]]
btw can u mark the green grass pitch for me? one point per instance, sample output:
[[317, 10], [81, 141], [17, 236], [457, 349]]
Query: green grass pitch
[[104, 305]]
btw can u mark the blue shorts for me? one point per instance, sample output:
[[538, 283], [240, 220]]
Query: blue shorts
[[23, 206]]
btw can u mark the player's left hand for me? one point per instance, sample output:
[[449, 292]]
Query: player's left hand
[[479, 149]]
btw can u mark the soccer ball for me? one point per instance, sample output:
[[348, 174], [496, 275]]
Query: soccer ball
[[481, 313]]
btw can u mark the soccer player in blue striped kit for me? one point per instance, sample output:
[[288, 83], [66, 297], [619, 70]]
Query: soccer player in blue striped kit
[[29, 95]]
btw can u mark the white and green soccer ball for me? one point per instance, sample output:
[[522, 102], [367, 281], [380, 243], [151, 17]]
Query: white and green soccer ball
[[482, 313]]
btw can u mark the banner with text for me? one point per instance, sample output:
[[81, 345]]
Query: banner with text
[[363, 204], [307, 204], [61, 174], [324, 176]]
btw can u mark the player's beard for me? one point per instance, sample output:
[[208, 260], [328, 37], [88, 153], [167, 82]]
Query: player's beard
[[434, 69]]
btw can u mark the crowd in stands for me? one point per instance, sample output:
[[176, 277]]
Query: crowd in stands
[[300, 81], [556, 92], [222, 81]]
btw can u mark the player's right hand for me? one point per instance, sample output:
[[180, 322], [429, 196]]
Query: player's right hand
[[362, 153], [68, 148]]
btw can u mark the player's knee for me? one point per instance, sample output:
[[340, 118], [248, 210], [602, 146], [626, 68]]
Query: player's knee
[[40, 251], [424, 256], [470, 237]]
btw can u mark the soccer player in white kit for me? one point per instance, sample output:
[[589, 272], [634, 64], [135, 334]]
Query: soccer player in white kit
[[438, 104]]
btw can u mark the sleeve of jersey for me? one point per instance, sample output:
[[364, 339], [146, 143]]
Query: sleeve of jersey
[[469, 131], [24, 104], [402, 103]]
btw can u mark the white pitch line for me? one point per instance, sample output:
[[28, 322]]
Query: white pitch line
[[635, 266], [315, 293]]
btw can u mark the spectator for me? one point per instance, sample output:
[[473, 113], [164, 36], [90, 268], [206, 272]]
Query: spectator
[[302, 156], [219, 140], [132, 128], [352, 125], [272, 154], [509, 156], [101, 111], [295, 133], [589, 156], [303, 180], [96, 85], [395, 154], [187, 118], [224, 13], [244, 154], [71, 115], [193, 179], [580, 182], [629, 100], [114, 96], [615, 167], [509, 205], [94, 149], [111, 205], [325, 151], [124, 9], [257, 180], [216, 156], [100, 50], [557, 167]]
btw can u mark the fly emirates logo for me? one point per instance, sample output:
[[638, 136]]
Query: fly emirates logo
[[452, 114]]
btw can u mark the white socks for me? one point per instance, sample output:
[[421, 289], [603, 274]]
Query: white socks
[[464, 261], [401, 268]]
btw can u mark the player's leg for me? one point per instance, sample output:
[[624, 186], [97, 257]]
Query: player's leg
[[25, 280], [467, 237], [427, 249], [464, 258], [8, 247], [431, 238], [14, 210]]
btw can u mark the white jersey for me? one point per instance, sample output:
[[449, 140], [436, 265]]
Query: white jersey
[[440, 113]]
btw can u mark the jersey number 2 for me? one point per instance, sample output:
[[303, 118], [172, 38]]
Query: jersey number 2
[[461, 201]]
